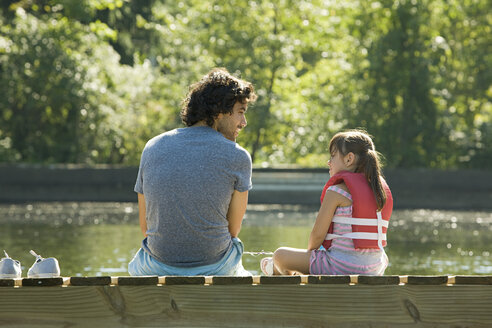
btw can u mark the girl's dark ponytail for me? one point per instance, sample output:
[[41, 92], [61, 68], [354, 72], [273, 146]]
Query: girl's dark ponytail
[[372, 171]]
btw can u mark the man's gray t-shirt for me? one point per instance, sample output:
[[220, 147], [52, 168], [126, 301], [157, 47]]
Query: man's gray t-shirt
[[188, 176]]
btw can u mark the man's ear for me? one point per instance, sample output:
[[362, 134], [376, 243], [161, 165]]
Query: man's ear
[[349, 159], [217, 119]]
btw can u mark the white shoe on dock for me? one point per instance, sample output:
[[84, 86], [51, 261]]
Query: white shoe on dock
[[266, 265], [44, 268], [9, 268]]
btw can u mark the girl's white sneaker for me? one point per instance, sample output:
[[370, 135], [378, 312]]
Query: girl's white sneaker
[[9, 268], [266, 265], [44, 268]]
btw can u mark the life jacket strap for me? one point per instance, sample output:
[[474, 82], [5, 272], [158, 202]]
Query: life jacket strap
[[379, 222], [380, 230], [359, 221], [356, 235]]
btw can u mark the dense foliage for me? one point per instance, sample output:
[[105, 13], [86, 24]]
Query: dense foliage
[[90, 81]]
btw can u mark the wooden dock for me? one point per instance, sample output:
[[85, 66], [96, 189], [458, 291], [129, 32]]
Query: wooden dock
[[259, 301]]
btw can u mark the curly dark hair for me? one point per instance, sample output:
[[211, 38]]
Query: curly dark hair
[[215, 93]]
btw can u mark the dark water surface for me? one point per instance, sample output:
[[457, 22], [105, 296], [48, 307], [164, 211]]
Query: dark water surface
[[92, 239]]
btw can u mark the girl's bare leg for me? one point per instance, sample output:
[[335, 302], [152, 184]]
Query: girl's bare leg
[[290, 261]]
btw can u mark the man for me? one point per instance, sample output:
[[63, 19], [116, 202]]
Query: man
[[193, 185]]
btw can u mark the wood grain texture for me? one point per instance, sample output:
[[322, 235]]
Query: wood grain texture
[[473, 280], [237, 305], [232, 280], [183, 280], [324, 279], [42, 282], [276, 280], [138, 281], [378, 280], [7, 282], [90, 281], [427, 280]]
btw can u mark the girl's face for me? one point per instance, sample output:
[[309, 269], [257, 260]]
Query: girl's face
[[336, 163]]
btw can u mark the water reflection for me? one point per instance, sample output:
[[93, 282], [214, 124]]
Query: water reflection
[[91, 239]]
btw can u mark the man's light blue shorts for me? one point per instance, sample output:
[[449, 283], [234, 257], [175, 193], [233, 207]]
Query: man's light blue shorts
[[231, 264]]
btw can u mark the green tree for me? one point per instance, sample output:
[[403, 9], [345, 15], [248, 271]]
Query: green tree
[[90, 81], [42, 82], [67, 97]]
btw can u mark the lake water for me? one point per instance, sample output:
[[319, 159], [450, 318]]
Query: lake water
[[93, 239]]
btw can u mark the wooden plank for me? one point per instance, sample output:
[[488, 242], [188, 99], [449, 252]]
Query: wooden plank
[[279, 280], [185, 280], [427, 280], [7, 282], [286, 305], [328, 279], [138, 281], [224, 280], [90, 281], [473, 280], [378, 280], [42, 282], [232, 280], [76, 307]]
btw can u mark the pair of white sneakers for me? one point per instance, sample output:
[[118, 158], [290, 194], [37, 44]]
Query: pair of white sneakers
[[42, 268]]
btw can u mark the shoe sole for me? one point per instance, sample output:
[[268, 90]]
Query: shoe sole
[[9, 276], [44, 275]]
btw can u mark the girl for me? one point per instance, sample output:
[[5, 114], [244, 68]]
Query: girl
[[356, 206]]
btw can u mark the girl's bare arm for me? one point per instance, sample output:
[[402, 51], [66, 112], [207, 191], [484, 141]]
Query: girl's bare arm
[[326, 212]]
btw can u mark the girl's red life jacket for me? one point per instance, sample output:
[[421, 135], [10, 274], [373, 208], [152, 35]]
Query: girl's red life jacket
[[364, 206]]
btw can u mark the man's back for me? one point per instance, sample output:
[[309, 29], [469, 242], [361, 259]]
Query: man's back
[[188, 176]]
